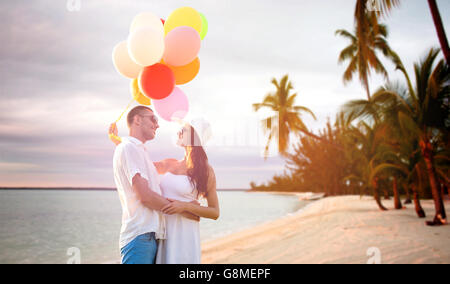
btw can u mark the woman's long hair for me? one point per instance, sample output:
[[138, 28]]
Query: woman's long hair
[[197, 164]]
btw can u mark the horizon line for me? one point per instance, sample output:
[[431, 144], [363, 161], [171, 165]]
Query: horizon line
[[88, 188]]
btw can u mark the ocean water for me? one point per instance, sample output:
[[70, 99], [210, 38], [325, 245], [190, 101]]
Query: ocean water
[[41, 226]]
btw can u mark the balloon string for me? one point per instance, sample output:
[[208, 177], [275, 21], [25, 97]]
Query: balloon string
[[128, 106]]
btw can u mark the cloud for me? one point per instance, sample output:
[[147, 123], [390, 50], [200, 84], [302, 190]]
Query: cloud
[[59, 90]]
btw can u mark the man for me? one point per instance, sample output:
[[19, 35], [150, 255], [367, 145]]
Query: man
[[137, 184]]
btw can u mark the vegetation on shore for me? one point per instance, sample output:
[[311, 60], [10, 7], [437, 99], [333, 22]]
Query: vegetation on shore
[[393, 142]]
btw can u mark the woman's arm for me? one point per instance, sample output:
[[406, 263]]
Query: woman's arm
[[210, 212], [160, 167]]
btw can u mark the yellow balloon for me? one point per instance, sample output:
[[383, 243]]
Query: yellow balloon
[[138, 95], [185, 16]]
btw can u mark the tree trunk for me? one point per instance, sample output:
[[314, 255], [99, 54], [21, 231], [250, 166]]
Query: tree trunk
[[376, 195], [408, 194], [447, 189], [419, 209], [427, 153], [336, 186], [440, 29], [366, 83], [397, 202], [386, 194], [447, 186]]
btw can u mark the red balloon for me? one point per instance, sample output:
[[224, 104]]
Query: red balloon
[[163, 21], [157, 81]]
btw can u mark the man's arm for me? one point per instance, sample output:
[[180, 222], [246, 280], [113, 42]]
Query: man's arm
[[147, 197], [151, 199]]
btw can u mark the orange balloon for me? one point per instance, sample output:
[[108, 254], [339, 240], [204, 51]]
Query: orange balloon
[[138, 95], [185, 74]]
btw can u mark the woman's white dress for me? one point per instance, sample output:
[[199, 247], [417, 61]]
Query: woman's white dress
[[182, 243]]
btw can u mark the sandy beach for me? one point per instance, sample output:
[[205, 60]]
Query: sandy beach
[[346, 229]]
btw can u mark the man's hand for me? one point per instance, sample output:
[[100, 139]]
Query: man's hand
[[112, 134]]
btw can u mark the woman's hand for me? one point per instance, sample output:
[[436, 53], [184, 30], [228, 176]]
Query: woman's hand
[[112, 134], [175, 207]]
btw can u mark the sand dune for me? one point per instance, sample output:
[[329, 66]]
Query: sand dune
[[344, 229]]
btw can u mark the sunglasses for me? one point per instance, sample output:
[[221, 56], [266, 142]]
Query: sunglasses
[[153, 118]]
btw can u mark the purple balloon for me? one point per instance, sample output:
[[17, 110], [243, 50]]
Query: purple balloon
[[174, 107]]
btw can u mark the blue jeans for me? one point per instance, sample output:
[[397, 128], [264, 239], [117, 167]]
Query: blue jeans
[[141, 250]]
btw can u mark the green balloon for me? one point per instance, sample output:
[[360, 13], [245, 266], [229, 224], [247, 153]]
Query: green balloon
[[204, 26]]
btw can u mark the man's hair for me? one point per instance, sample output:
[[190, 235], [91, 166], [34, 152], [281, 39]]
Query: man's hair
[[136, 111]]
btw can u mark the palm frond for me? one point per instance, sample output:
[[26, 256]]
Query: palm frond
[[347, 53], [386, 166], [305, 109], [408, 125], [346, 34], [351, 69]]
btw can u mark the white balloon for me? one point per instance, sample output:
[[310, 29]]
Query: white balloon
[[147, 19], [123, 62], [146, 46]]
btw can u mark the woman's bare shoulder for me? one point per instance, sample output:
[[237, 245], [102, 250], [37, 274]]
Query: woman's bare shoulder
[[164, 166], [212, 174]]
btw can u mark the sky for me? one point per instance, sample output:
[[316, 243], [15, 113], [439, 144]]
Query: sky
[[59, 90]]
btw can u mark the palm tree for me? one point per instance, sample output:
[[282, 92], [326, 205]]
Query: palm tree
[[367, 29], [361, 52], [424, 114], [287, 118], [365, 19], [440, 29], [371, 145], [403, 157]]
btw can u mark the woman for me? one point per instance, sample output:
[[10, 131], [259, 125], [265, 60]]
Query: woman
[[183, 182]]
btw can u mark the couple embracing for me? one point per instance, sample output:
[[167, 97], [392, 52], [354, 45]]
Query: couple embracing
[[160, 200]]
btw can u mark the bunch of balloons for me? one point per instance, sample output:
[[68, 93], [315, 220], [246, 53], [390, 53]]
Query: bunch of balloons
[[159, 55]]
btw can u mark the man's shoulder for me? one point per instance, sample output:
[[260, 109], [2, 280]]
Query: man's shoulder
[[125, 146]]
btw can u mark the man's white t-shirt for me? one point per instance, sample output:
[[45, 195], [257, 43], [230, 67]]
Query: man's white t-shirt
[[131, 158]]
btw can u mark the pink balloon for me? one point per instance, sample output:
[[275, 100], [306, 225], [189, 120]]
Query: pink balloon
[[182, 46], [174, 107]]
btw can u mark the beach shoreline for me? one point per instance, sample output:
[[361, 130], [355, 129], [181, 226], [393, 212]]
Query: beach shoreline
[[345, 229]]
